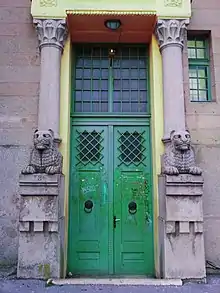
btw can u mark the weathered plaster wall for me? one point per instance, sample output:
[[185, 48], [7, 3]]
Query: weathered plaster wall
[[19, 86], [203, 119]]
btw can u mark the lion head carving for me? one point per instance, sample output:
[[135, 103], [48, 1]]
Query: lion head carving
[[43, 139], [181, 140], [179, 157], [45, 156]]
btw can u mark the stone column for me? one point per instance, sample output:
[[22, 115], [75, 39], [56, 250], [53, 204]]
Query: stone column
[[52, 35], [170, 34]]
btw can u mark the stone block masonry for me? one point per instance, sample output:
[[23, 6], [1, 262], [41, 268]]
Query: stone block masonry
[[41, 226], [181, 227], [19, 91]]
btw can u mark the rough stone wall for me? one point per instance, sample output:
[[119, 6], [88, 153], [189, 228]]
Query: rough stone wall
[[19, 87], [203, 120]]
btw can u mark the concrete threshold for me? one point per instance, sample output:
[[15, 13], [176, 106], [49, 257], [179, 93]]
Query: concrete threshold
[[116, 281]]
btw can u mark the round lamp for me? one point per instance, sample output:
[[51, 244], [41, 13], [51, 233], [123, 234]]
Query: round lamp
[[113, 24]]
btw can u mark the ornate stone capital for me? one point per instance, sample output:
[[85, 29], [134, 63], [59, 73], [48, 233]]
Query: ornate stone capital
[[51, 32], [171, 32]]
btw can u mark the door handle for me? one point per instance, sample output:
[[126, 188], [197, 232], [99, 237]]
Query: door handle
[[115, 220]]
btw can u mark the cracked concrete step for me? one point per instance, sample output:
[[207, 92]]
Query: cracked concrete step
[[116, 281]]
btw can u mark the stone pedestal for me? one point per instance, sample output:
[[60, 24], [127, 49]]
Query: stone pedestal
[[181, 237], [41, 226]]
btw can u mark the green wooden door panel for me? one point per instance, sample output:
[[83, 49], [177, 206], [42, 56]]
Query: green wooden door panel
[[111, 167], [88, 233], [133, 233]]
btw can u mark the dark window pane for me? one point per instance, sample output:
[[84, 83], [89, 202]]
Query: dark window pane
[[96, 73], [142, 84], [86, 107], [131, 148], [104, 84], [79, 84], [126, 107], [78, 107], [126, 82], [104, 73], [125, 96], [78, 96], [87, 63], [104, 96], [91, 79], [86, 96], [104, 107], [79, 62], [95, 84], [96, 107], [138, 107], [134, 74], [117, 96], [96, 63], [142, 74], [117, 84], [95, 96], [79, 73], [86, 84], [87, 73], [130, 84], [89, 146], [134, 84], [117, 107]]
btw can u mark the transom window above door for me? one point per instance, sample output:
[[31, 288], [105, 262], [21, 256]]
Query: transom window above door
[[111, 83]]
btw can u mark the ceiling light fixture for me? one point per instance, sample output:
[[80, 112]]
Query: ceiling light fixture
[[113, 24]]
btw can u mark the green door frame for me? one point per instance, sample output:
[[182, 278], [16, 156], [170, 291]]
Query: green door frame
[[111, 122], [95, 119]]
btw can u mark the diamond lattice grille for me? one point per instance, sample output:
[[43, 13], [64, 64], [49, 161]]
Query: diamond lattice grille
[[89, 147], [131, 148]]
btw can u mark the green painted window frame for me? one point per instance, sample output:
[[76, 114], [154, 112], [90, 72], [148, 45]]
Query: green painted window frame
[[200, 64], [110, 112]]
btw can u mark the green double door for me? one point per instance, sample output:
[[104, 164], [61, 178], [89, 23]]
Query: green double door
[[110, 227]]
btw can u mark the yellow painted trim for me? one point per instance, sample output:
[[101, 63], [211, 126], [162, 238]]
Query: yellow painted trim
[[65, 104], [156, 88], [110, 12], [162, 8], [156, 126], [183, 10]]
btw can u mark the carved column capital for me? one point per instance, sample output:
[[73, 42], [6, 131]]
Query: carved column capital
[[51, 32], [171, 32]]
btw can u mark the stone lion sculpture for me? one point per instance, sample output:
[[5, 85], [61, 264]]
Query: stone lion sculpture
[[179, 157], [44, 157]]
